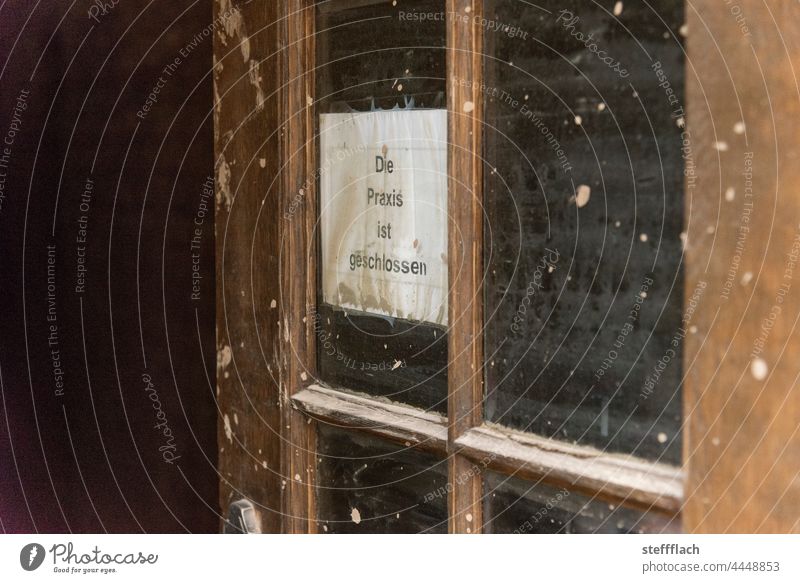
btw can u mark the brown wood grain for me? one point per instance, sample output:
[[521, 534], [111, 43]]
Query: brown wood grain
[[465, 265], [742, 447], [297, 263], [246, 264]]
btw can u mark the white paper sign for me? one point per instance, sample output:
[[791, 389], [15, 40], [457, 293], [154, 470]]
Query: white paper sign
[[383, 212]]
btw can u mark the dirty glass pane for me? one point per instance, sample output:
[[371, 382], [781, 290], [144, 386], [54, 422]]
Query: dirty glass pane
[[374, 57], [367, 485], [583, 190], [514, 506]]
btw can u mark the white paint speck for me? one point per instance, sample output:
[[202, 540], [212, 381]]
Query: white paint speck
[[262, 162], [601, 106], [747, 276], [255, 80], [617, 8], [303, 376], [662, 437], [224, 195], [224, 357], [355, 515], [721, 146], [468, 516], [297, 477], [578, 120], [582, 195], [710, 229], [738, 128], [227, 424], [759, 369], [643, 237], [715, 441], [730, 194], [468, 106], [273, 304], [684, 30]]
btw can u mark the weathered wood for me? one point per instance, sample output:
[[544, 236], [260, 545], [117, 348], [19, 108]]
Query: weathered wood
[[401, 423], [247, 236], [332, 6], [616, 477], [742, 402], [298, 263], [465, 265]]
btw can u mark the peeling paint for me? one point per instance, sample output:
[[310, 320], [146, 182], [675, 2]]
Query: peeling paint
[[224, 357], [224, 195], [228, 430], [255, 80], [235, 28], [217, 101]]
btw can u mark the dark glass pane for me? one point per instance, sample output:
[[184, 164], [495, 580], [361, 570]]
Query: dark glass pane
[[372, 57], [584, 217], [515, 506], [368, 485]]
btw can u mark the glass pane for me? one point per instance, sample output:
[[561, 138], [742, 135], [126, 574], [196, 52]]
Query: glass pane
[[514, 506], [367, 485], [380, 99], [584, 205]]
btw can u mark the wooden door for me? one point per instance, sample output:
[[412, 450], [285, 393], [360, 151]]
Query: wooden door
[[574, 385]]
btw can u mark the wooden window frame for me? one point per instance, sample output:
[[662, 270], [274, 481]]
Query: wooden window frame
[[296, 399], [464, 438]]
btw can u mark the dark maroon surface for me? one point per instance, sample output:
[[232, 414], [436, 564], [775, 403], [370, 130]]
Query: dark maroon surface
[[89, 461]]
